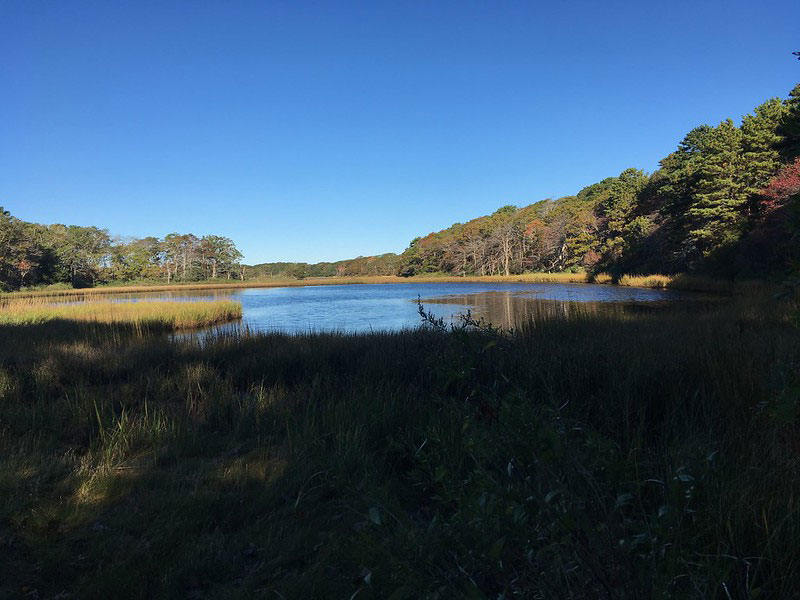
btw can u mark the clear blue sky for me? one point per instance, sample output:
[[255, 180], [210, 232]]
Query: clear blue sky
[[325, 130]]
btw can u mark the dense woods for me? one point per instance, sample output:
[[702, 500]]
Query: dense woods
[[33, 254], [384, 264], [725, 201]]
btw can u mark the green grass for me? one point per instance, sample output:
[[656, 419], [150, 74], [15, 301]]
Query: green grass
[[582, 456], [164, 316]]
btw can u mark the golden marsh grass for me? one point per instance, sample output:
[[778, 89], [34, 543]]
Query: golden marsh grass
[[659, 281], [163, 315]]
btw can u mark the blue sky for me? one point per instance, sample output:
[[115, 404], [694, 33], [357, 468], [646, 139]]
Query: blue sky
[[321, 131]]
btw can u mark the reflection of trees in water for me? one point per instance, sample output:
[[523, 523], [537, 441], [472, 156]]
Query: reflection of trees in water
[[510, 309]]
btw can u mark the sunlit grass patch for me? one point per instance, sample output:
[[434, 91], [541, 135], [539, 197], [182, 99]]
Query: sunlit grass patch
[[695, 283], [161, 315], [649, 281]]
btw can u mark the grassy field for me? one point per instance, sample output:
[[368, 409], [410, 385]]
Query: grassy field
[[149, 316], [582, 456], [682, 282]]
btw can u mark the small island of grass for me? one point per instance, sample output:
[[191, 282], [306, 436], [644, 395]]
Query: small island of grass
[[165, 316]]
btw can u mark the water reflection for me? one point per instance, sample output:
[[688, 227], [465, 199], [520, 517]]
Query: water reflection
[[364, 308], [509, 309], [380, 307]]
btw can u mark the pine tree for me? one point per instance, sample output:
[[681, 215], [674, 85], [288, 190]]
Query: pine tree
[[677, 178], [760, 139], [790, 126], [721, 193], [616, 205]]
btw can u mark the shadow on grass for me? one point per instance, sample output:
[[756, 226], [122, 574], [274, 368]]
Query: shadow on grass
[[584, 455]]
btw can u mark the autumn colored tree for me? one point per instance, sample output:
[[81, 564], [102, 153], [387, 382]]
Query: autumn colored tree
[[784, 186]]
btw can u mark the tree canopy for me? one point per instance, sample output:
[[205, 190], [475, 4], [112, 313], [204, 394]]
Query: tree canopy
[[724, 201], [33, 254]]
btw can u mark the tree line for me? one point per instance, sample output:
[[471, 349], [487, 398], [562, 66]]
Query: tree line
[[32, 254], [725, 201], [362, 266]]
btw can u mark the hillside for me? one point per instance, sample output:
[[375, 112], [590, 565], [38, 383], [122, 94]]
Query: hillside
[[384, 264], [725, 201]]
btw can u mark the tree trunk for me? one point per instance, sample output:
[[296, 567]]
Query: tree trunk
[[505, 246]]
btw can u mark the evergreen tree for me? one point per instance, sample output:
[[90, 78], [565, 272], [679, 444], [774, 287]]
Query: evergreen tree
[[617, 204], [676, 181], [716, 213], [760, 140], [790, 126]]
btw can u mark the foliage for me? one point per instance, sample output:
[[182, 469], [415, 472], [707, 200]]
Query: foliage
[[716, 212], [709, 208], [702, 210], [36, 255], [362, 266]]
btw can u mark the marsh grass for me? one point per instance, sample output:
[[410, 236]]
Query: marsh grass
[[580, 456], [697, 283], [165, 316], [61, 291], [682, 282]]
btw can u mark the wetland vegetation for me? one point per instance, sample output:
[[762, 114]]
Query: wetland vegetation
[[583, 454], [149, 316]]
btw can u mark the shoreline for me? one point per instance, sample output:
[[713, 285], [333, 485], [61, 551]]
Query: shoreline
[[677, 282]]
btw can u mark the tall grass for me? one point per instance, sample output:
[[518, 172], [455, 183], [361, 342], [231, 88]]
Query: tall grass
[[582, 456], [684, 282], [61, 291], [159, 315]]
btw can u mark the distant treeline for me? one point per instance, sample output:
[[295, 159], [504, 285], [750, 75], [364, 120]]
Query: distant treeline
[[726, 202], [385, 264], [32, 254]]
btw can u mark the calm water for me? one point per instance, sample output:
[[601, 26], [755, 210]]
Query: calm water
[[372, 307]]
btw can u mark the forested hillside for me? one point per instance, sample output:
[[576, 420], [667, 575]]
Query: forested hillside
[[385, 264], [32, 254], [725, 201]]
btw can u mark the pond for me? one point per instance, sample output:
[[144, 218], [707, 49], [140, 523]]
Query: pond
[[374, 307]]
